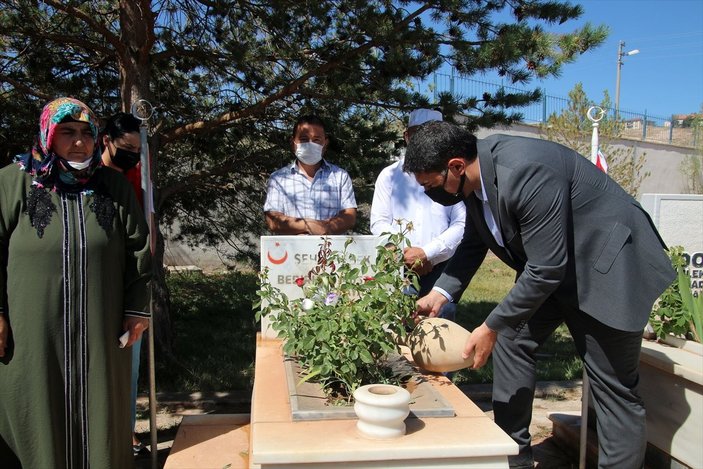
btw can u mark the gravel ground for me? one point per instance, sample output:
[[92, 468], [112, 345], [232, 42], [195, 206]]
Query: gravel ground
[[550, 397]]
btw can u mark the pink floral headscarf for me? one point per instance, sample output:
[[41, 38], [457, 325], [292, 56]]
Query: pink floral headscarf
[[40, 161], [56, 111]]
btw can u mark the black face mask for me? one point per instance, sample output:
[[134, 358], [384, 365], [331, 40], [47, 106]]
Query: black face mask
[[125, 159], [441, 196]]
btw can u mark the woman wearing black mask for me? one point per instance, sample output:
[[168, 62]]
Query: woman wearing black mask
[[121, 147], [121, 152]]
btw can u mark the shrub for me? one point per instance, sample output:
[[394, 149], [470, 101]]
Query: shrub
[[678, 311], [350, 317]]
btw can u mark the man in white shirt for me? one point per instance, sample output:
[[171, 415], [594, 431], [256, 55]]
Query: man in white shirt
[[437, 230]]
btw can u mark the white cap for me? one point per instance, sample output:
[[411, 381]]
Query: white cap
[[420, 116]]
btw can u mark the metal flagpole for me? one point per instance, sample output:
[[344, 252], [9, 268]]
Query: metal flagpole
[[595, 114], [143, 110]]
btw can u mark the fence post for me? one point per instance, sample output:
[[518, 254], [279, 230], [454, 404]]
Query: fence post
[[544, 105], [644, 127], [434, 97], [502, 90], [671, 129]]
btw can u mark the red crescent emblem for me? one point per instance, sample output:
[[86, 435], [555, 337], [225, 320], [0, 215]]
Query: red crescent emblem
[[278, 261]]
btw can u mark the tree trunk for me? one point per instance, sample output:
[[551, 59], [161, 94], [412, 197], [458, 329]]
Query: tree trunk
[[161, 300], [137, 35]]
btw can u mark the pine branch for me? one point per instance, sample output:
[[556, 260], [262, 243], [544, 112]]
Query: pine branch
[[228, 117]]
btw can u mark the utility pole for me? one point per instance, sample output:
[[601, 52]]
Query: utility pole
[[621, 54]]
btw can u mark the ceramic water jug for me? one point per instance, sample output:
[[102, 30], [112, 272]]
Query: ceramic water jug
[[437, 344]]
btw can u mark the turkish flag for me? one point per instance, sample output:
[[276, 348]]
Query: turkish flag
[[601, 163]]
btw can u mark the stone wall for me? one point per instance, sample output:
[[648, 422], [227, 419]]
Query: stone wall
[[662, 161]]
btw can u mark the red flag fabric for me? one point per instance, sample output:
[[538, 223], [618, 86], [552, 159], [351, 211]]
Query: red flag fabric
[[601, 163]]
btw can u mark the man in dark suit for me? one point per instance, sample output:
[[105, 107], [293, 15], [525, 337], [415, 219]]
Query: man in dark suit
[[586, 254]]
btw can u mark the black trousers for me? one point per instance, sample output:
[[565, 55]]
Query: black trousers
[[611, 361]]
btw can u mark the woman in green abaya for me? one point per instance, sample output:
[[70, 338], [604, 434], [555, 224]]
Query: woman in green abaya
[[74, 267]]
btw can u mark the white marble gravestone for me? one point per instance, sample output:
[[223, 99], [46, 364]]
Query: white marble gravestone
[[290, 257], [679, 219]]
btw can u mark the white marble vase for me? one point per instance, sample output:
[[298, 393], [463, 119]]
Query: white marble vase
[[381, 410]]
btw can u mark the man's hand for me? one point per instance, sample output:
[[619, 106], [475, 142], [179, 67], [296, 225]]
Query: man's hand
[[4, 334], [430, 304], [316, 227], [136, 326], [481, 343], [416, 260]]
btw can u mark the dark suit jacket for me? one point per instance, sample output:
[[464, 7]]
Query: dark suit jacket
[[571, 232]]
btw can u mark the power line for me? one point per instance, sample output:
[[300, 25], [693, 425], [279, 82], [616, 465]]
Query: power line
[[643, 56], [665, 36], [667, 47]]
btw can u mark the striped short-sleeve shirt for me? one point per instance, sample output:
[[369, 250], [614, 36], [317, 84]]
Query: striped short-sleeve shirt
[[291, 193]]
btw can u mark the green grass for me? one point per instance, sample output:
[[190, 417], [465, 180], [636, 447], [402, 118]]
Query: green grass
[[491, 283], [215, 331]]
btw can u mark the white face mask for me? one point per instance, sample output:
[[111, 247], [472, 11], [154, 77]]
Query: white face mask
[[308, 152], [78, 165]]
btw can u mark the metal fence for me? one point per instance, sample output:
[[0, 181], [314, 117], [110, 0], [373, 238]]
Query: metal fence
[[637, 126]]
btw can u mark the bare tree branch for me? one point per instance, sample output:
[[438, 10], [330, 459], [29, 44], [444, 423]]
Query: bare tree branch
[[96, 26], [24, 88]]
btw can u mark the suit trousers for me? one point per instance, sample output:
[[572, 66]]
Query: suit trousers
[[611, 361]]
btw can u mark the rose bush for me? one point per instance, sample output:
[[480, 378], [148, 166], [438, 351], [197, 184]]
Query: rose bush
[[351, 316]]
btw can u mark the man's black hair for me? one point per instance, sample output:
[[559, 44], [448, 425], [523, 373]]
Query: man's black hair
[[120, 124], [435, 143], [310, 119]]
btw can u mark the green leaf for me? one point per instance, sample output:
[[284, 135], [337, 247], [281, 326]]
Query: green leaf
[[365, 356], [309, 376]]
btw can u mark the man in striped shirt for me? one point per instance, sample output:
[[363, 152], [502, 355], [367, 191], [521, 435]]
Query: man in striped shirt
[[310, 195]]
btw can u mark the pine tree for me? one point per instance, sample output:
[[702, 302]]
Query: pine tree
[[228, 79]]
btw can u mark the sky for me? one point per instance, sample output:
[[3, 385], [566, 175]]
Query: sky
[[665, 78]]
